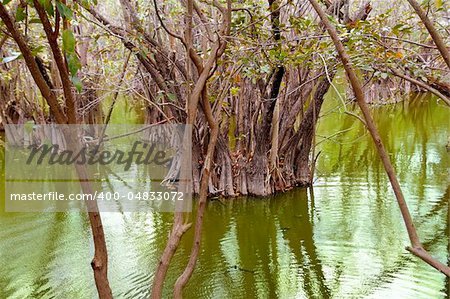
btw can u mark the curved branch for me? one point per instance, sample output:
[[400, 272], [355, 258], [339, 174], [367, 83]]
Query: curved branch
[[32, 65], [417, 247], [421, 84], [179, 37]]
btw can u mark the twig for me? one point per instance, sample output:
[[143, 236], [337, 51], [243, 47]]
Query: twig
[[131, 133], [421, 84], [111, 107]]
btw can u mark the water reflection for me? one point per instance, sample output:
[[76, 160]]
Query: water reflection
[[343, 239]]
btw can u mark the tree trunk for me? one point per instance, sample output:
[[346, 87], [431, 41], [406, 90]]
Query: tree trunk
[[99, 263]]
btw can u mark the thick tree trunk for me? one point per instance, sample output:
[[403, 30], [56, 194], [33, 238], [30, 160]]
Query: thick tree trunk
[[307, 132], [258, 169]]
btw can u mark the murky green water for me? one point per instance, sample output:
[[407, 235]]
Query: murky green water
[[342, 239]]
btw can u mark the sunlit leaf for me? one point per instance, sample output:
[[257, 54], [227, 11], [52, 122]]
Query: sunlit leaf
[[48, 6], [234, 91], [73, 63], [69, 41], [20, 14], [37, 50], [64, 11]]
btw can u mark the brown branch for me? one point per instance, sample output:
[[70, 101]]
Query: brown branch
[[199, 91], [359, 94], [203, 195], [45, 90], [57, 24], [179, 37], [100, 261], [426, 257], [178, 227], [421, 84], [60, 63], [438, 41]]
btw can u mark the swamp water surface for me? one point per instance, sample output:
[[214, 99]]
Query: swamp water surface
[[344, 238]]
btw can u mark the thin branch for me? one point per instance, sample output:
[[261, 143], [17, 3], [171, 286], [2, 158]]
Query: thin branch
[[179, 37], [420, 84]]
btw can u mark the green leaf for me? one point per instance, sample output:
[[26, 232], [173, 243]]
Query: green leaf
[[73, 63], [171, 96], [48, 6], [6, 2], [20, 14], [69, 41], [77, 83], [85, 3], [64, 11], [35, 21], [37, 50], [234, 91]]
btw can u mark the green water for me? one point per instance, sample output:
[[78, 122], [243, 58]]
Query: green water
[[342, 239]]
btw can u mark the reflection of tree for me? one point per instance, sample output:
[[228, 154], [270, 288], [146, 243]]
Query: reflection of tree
[[384, 277], [262, 247], [146, 235], [402, 127], [300, 238], [432, 240], [38, 252], [48, 255], [256, 234]]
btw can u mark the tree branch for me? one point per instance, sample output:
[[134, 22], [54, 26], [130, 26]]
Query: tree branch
[[38, 77]]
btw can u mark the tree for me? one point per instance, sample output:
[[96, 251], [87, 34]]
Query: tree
[[417, 247], [100, 260]]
